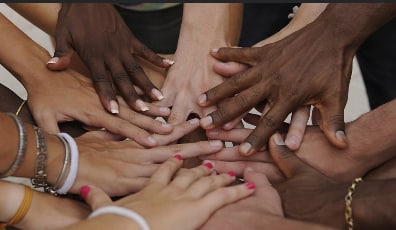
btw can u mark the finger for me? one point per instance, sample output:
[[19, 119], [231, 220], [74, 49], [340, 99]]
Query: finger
[[248, 56], [188, 177], [232, 154], [48, 123], [233, 108], [63, 53], [269, 123], [103, 87], [334, 125], [232, 124], [260, 179], [95, 197], [166, 170], [150, 110], [284, 158], [189, 150], [178, 132], [229, 88], [252, 119], [269, 169], [298, 123], [228, 69], [146, 53], [234, 135], [207, 184], [102, 135]]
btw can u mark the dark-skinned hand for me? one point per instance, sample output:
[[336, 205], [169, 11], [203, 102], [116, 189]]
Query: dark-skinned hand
[[109, 49]]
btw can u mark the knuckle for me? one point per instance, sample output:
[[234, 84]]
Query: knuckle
[[242, 101], [219, 116], [135, 69]]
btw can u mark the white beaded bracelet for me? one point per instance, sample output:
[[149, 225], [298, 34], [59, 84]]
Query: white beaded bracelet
[[74, 155], [122, 212]]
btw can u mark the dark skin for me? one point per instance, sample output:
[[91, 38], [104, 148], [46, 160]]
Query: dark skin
[[309, 67], [109, 49]]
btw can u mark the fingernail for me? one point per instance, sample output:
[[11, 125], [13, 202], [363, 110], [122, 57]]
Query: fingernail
[[215, 143], [208, 165], [179, 157], [340, 135], [142, 106], [206, 121], [202, 99], [278, 139], [151, 140], [228, 126], [245, 148], [215, 50], [84, 191], [231, 173], [250, 185], [167, 61], [114, 107], [194, 121], [164, 110], [157, 94], [292, 141], [53, 60], [166, 125]]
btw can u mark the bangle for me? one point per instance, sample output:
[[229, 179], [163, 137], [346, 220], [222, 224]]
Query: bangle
[[122, 212], [21, 147], [20, 108], [22, 210], [52, 190], [40, 176], [348, 203], [71, 176]]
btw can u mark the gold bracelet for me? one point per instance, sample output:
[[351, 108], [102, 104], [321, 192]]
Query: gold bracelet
[[348, 203], [20, 107], [22, 210]]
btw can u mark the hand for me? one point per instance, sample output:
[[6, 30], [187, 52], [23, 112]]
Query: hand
[[322, 81], [120, 168], [104, 42], [164, 201], [68, 95]]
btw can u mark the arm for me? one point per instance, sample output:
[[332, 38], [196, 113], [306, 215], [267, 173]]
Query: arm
[[192, 72], [321, 80]]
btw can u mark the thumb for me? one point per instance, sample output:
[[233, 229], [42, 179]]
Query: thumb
[[284, 158], [333, 125], [94, 197], [63, 54]]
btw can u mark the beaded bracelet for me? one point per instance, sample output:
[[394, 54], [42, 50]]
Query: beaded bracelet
[[74, 155], [21, 147], [348, 203], [40, 177], [122, 212], [22, 210]]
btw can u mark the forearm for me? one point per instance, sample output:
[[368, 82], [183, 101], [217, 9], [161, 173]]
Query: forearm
[[21, 55], [105, 222], [9, 139], [43, 15]]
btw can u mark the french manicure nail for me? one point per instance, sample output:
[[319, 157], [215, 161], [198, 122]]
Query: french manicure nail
[[167, 61], [215, 50], [84, 191], [202, 99], [278, 139], [157, 94], [245, 148], [179, 157], [340, 135], [250, 185], [206, 121], [142, 106], [53, 60], [114, 107]]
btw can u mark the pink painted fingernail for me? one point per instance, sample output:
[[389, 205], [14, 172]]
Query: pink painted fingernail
[[53, 60], [179, 157], [209, 165], [231, 173], [84, 191], [250, 185]]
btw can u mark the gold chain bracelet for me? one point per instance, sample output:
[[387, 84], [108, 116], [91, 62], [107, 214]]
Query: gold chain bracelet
[[348, 203]]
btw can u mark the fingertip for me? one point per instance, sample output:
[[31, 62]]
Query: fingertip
[[246, 149]]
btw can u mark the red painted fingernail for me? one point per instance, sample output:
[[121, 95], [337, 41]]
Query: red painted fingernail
[[179, 157], [84, 191], [231, 173], [250, 185], [208, 165]]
